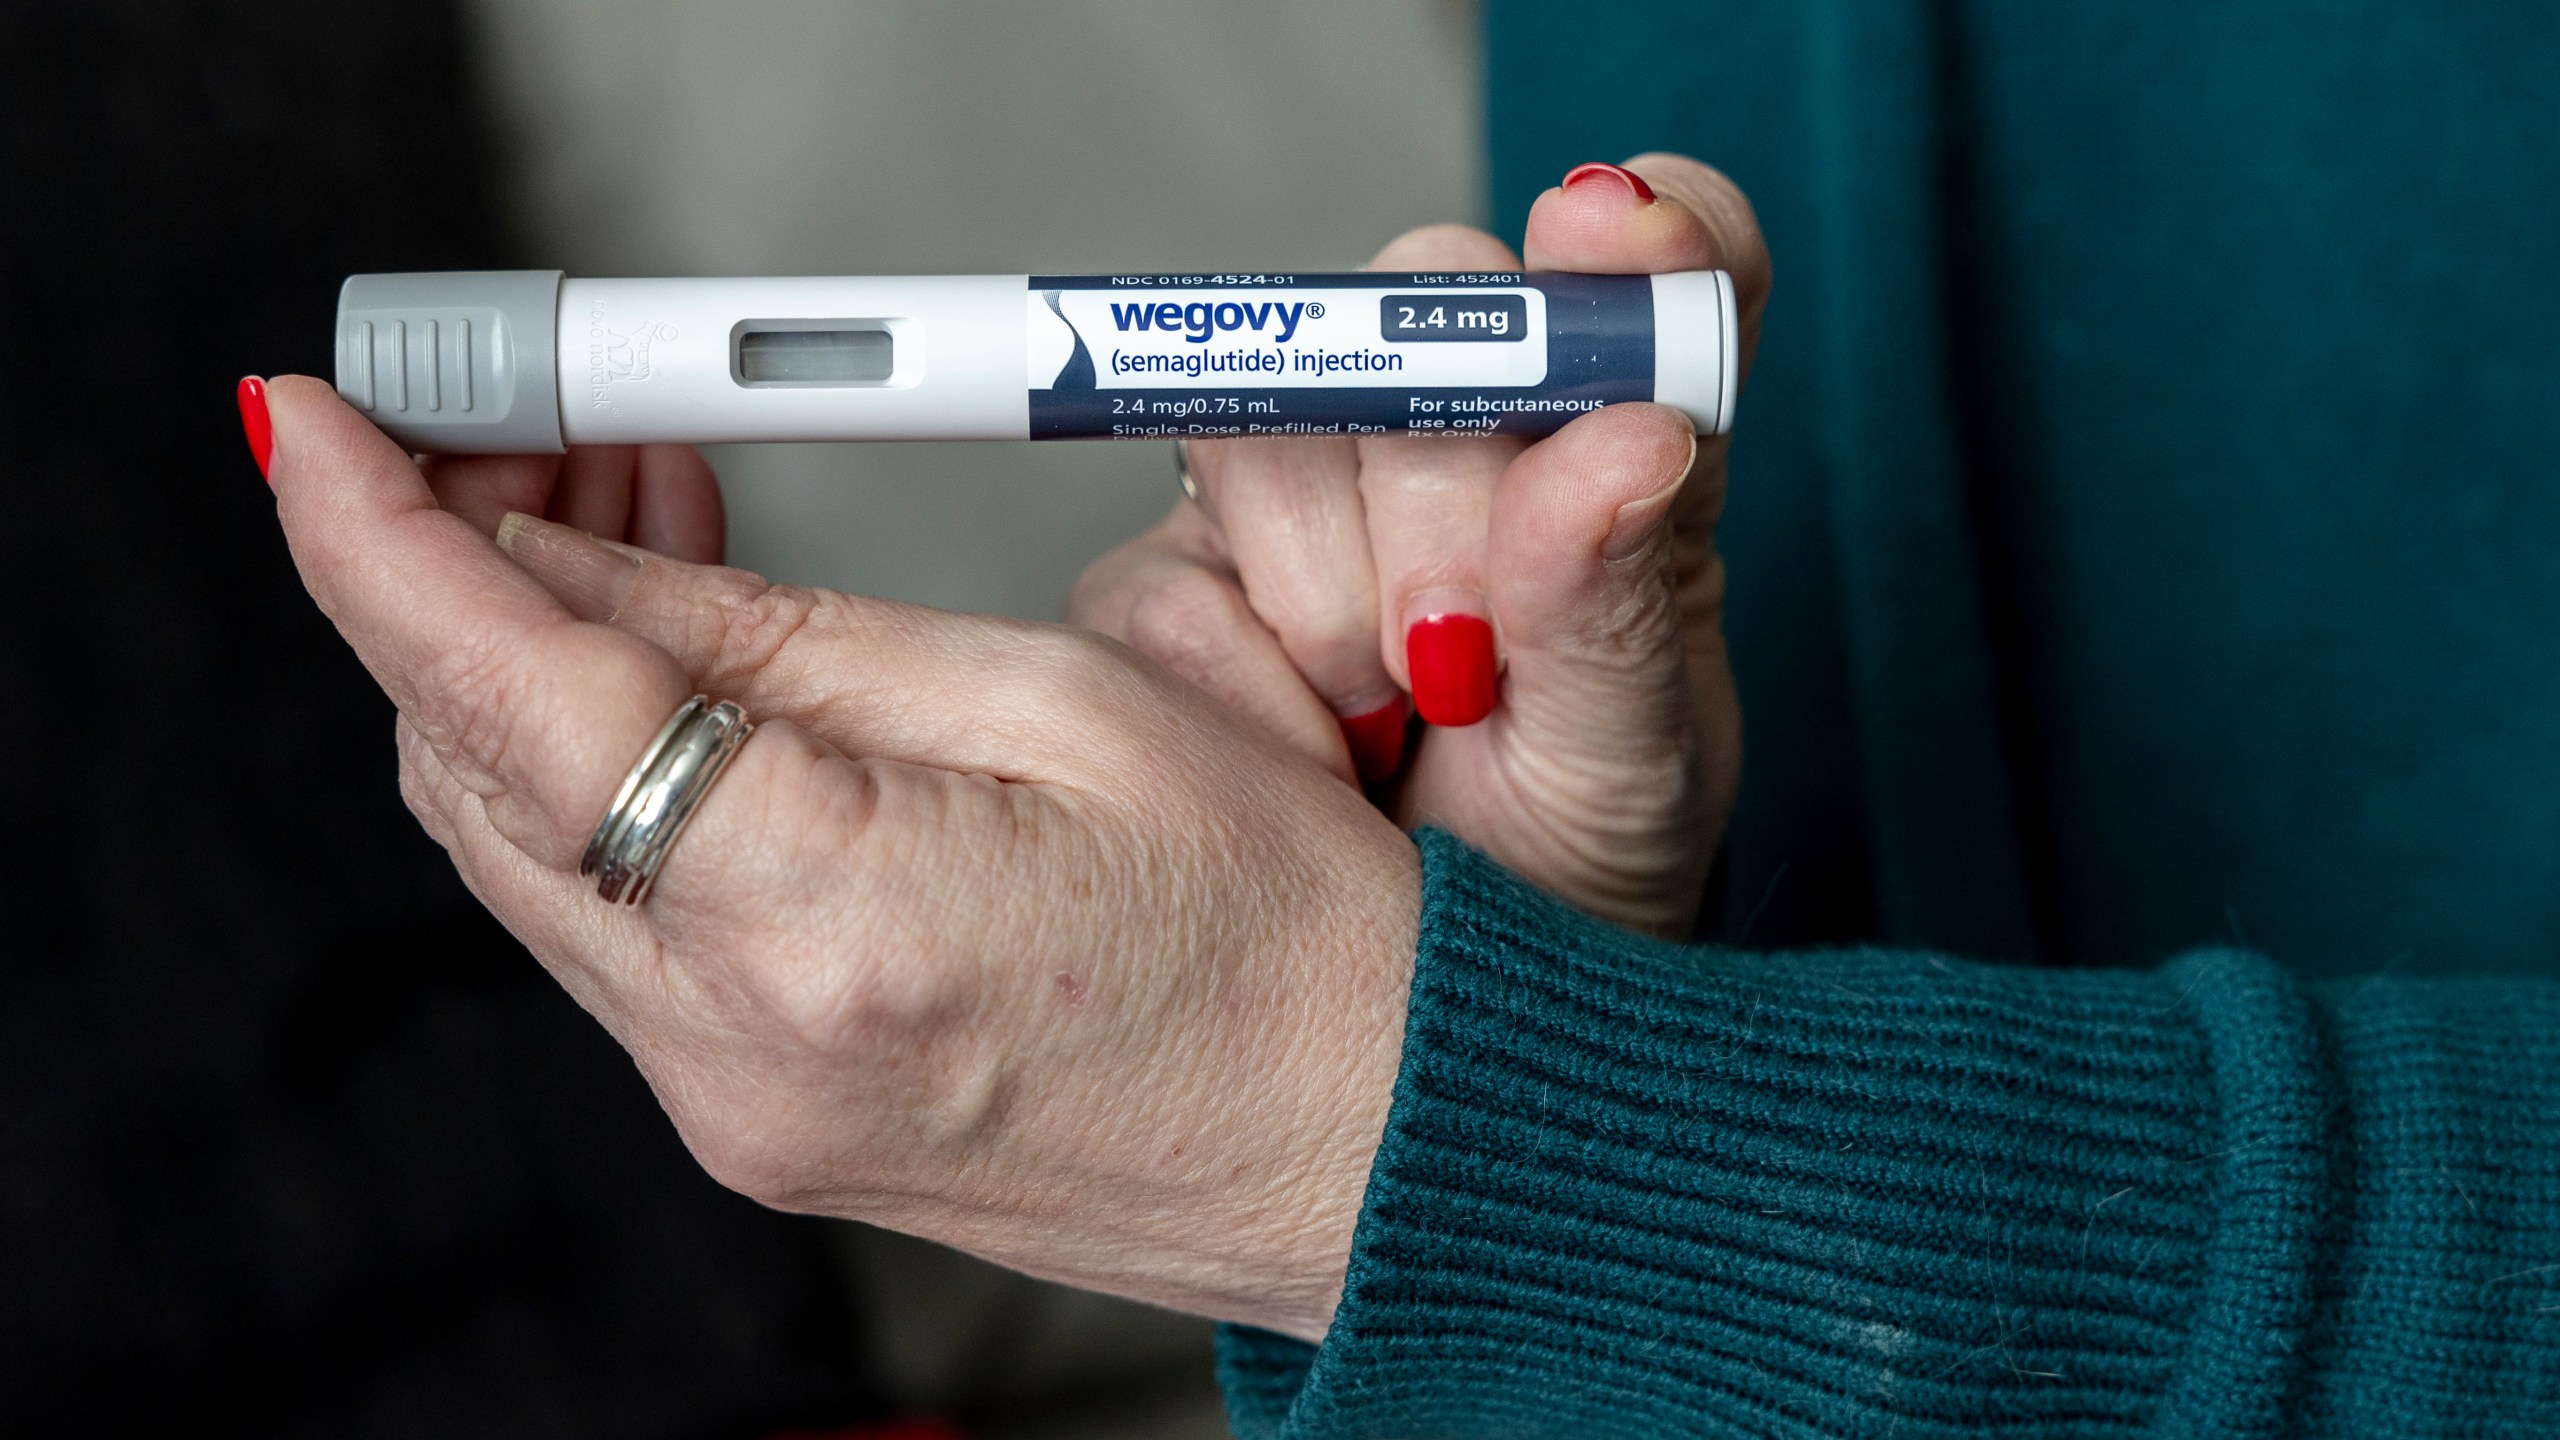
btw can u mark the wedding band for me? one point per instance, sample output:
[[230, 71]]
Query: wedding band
[[659, 795]]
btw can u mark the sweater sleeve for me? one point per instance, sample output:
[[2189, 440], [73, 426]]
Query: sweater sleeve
[[1636, 1189]]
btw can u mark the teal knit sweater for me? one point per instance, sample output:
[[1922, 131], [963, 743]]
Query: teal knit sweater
[[1632, 1189], [2131, 1003]]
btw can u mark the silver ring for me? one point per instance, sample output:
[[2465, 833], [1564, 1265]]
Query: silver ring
[[659, 795], [1182, 471]]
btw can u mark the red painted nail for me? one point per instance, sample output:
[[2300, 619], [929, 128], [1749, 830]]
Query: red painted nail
[[1377, 740], [253, 418], [1602, 174], [1451, 661]]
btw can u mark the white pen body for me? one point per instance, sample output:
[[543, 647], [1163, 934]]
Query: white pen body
[[527, 361], [653, 360]]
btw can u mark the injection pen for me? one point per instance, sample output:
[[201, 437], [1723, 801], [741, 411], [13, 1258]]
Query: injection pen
[[528, 361]]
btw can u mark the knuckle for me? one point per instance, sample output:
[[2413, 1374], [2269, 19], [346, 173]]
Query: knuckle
[[754, 622], [743, 1147], [1183, 614], [1093, 602], [1300, 598], [1099, 600], [1335, 650], [426, 785], [870, 1012], [426, 807], [821, 968], [1637, 631]]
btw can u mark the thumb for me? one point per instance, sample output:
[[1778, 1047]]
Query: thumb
[[1605, 719], [1579, 551]]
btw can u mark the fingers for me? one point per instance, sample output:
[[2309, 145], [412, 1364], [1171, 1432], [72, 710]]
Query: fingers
[[1603, 696], [871, 677], [661, 497], [537, 715], [1599, 223], [675, 505], [520, 719], [1582, 581], [1169, 595], [1426, 503], [1346, 551], [1655, 215], [594, 493], [485, 489], [1289, 521], [1290, 513]]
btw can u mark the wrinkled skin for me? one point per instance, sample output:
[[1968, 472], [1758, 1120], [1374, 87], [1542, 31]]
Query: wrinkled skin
[[1007, 935], [1607, 771]]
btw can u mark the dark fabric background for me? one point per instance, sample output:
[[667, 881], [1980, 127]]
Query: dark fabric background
[[293, 1140], [2145, 522]]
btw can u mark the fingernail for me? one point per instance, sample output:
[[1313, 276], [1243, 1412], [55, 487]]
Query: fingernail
[[1377, 740], [1450, 658], [587, 576], [252, 396], [1597, 174], [1640, 520]]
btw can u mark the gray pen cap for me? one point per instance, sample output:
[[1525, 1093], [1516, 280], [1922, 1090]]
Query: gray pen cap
[[455, 361]]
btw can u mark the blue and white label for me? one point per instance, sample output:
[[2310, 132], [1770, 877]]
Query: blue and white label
[[1204, 356]]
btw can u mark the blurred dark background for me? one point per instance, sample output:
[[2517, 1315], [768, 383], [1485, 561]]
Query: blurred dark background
[[293, 1139]]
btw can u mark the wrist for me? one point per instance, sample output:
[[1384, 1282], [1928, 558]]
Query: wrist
[[1342, 993]]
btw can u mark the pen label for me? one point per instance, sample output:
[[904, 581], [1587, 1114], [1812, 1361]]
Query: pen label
[[1132, 356]]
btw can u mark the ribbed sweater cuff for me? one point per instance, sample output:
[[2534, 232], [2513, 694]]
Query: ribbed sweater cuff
[[1629, 1188]]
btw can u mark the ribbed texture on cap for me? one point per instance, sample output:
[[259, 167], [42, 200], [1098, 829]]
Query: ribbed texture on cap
[[1636, 1189]]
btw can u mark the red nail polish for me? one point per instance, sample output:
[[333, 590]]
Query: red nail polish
[[1377, 740], [1602, 174], [1451, 660], [253, 419]]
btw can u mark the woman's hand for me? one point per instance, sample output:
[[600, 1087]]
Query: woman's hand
[[658, 497], [1316, 582], [994, 933]]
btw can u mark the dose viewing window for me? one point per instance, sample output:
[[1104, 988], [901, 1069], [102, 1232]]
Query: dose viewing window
[[814, 357]]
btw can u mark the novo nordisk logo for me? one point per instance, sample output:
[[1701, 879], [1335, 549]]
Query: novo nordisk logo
[[619, 352], [1201, 320], [623, 353]]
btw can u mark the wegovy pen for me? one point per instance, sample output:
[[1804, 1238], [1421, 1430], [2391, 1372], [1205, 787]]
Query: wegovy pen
[[529, 361]]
